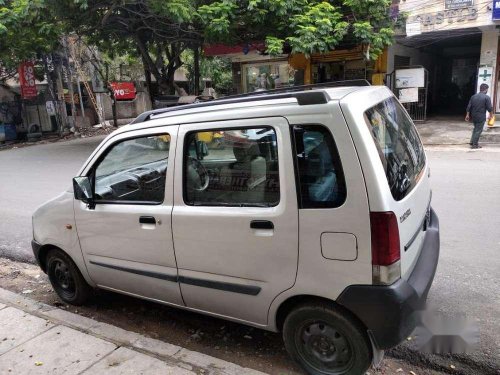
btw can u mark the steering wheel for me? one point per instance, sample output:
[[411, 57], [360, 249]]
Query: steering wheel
[[198, 174]]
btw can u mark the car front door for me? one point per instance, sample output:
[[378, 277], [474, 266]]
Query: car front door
[[235, 218], [126, 238]]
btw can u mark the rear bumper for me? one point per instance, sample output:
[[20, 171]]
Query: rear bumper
[[390, 312]]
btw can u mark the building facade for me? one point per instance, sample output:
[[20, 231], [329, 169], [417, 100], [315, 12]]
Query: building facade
[[456, 42]]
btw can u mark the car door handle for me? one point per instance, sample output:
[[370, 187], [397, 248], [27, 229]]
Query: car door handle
[[147, 220], [261, 224]]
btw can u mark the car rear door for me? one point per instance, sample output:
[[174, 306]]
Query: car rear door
[[235, 237], [407, 173]]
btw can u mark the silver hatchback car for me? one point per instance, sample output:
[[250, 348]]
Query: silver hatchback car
[[305, 211]]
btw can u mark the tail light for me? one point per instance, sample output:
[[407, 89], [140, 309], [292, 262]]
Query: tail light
[[386, 248]]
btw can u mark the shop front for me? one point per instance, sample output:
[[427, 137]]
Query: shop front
[[341, 65], [269, 75], [456, 42]]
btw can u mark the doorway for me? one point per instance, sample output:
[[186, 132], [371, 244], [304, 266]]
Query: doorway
[[453, 75]]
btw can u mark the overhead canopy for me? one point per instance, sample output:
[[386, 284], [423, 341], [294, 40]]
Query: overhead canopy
[[430, 38]]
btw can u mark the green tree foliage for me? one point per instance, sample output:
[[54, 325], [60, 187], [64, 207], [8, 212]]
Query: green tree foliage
[[306, 26], [158, 31], [217, 69], [25, 33]]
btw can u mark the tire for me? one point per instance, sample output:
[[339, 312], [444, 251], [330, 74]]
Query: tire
[[66, 278], [325, 341]]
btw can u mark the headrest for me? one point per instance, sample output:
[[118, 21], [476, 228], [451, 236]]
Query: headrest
[[245, 152]]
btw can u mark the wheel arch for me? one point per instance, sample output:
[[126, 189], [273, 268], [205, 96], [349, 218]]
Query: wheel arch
[[42, 261], [42, 255], [292, 302]]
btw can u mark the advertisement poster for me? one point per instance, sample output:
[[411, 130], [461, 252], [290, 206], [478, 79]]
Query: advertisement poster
[[408, 95], [406, 78], [27, 80], [123, 90]]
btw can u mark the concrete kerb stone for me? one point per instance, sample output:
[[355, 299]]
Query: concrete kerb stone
[[172, 354], [22, 302], [214, 365], [125, 361]]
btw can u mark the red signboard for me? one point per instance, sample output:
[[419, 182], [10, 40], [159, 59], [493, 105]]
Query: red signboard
[[27, 80], [123, 90]]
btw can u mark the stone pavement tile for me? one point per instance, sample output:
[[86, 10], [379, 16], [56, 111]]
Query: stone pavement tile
[[68, 318], [213, 365], [17, 327], [126, 361], [61, 350]]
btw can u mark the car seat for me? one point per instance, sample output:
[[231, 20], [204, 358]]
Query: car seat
[[247, 175]]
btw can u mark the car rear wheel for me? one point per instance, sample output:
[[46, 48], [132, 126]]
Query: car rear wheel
[[66, 279], [325, 341]]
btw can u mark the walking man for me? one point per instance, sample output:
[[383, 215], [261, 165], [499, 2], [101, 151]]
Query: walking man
[[476, 111]]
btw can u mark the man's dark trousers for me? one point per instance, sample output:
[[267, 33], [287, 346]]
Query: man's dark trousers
[[476, 133]]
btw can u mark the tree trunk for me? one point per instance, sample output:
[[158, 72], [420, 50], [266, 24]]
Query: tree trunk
[[149, 85], [196, 70], [170, 80]]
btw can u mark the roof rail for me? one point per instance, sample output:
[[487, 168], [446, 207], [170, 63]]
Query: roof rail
[[303, 98], [354, 82]]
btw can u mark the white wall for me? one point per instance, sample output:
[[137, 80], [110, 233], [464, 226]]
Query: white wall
[[424, 10]]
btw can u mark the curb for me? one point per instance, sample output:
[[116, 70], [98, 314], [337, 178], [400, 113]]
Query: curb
[[171, 354]]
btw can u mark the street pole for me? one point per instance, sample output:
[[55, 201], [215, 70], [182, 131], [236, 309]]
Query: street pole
[[60, 96], [70, 83]]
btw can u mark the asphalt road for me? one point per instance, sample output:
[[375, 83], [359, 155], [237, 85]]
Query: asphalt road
[[466, 186], [29, 176]]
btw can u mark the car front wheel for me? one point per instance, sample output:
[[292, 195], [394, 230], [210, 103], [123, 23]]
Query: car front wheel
[[66, 279], [325, 341]]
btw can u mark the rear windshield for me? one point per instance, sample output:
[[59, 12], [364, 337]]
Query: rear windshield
[[398, 144]]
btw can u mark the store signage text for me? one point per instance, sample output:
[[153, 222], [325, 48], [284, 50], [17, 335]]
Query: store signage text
[[27, 80], [496, 10], [455, 4], [123, 90], [450, 16]]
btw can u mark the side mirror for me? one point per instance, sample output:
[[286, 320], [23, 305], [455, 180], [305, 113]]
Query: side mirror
[[83, 190]]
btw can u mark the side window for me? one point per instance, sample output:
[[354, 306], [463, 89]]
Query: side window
[[133, 170], [231, 167], [322, 183]]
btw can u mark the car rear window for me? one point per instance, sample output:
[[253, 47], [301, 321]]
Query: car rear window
[[398, 144]]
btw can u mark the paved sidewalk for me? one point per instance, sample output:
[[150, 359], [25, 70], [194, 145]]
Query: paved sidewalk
[[40, 339], [454, 132]]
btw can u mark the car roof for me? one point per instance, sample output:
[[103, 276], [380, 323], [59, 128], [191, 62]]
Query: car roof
[[303, 95]]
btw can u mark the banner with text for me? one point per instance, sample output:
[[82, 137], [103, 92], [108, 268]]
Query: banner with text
[[27, 80], [496, 10], [123, 90]]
